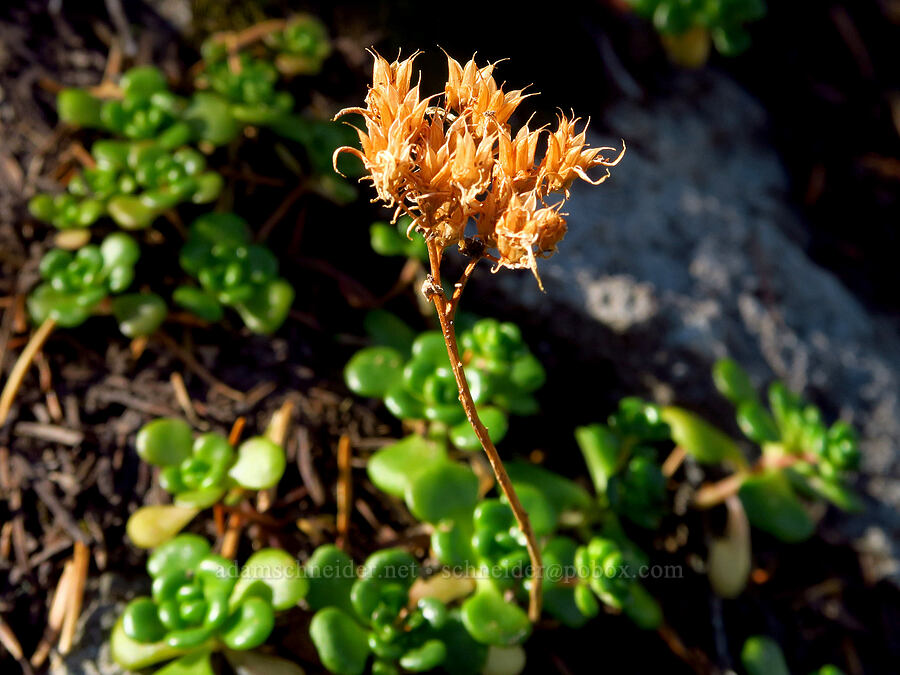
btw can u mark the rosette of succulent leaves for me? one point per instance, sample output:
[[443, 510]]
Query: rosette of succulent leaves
[[590, 561], [199, 472], [202, 604]]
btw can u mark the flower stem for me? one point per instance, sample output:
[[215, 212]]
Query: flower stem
[[445, 311]]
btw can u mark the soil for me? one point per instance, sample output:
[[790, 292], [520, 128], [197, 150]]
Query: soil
[[67, 468]]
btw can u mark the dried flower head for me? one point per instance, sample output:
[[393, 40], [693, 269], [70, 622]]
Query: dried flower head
[[458, 163]]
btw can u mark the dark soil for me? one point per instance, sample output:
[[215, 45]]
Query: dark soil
[[67, 468]]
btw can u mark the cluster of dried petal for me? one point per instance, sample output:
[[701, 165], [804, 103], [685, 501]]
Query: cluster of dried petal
[[457, 163]]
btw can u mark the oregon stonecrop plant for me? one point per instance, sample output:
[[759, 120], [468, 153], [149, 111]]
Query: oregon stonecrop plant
[[454, 164], [689, 26], [201, 604], [416, 382], [232, 272], [198, 472]]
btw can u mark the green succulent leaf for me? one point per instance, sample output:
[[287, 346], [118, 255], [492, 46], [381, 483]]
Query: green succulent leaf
[[642, 608], [756, 423], [134, 655], [425, 657], [389, 330], [152, 526], [733, 382], [391, 565], [79, 107], [773, 507], [601, 449], [463, 436], [260, 464], [331, 574], [165, 441], [491, 620], [268, 307], [562, 493], [342, 644], [250, 625], [373, 371], [139, 314], [278, 570], [198, 302], [761, 655], [199, 663], [445, 490], [183, 553], [701, 440], [395, 466], [467, 656]]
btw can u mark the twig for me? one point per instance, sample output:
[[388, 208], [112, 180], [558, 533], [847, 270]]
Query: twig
[[81, 559], [183, 398], [235, 41], [307, 470], [344, 491], [9, 640], [55, 616], [436, 295], [232, 536], [21, 367], [673, 461], [280, 212], [188, 359]]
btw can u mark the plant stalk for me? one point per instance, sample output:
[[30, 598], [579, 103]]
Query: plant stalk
[[26, 358], [445, 316]]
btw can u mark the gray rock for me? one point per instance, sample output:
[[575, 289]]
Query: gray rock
[[691, 252]]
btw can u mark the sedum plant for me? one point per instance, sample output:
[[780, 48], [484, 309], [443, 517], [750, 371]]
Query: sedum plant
[[801, 457], [200, 604], [416, 381], [396, 240], [197, 472], [689, 26], [233, 272], [373, 617], [75, 284], [454, 162], [761, 655], [133, 183]]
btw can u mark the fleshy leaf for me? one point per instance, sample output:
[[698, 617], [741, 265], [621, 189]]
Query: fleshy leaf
[[278, 570], [601, 450], [463, 436], [342, 644], [393, 467], [133, 655], [772, 506], [733, 382], [373, 371], [165, 441], [260, 464], [561, 492], [331, 574], [389, 330], [493, 621], [701, 440], [445, 490], [190, 664], [151, 526], [250, 625], [467, 657], [761, 655]]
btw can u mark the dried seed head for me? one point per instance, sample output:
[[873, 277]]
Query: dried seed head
[[457, 163]]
